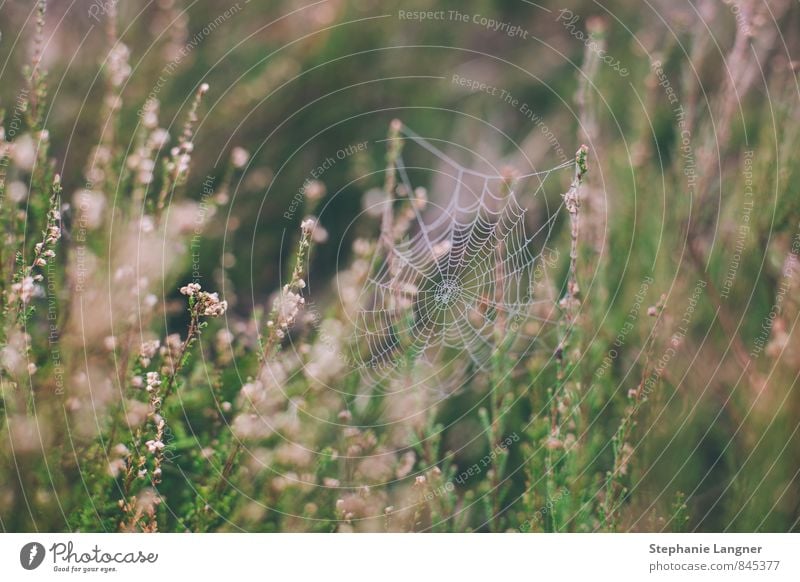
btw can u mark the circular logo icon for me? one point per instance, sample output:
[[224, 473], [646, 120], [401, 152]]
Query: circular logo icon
[[31, 555]]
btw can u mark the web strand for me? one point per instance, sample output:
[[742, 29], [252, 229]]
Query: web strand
[[461, 268]]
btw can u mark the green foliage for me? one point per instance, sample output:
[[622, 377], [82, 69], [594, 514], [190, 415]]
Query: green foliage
[[661, 403]]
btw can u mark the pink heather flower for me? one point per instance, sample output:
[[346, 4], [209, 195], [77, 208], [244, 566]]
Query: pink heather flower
[[153, 381], [314, 190], [190, 289], [239, 157], [153, 446], [287, 306], [211, 306], [115, 467], [307, 226], [25, 289], [148, 352]]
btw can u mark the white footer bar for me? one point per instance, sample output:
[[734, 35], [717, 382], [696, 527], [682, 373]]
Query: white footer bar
[[406, 557]]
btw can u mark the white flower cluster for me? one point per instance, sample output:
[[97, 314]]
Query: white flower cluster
[[181, 157], [171, 353], [208, 304], [54, 232], [190, 290], [314, 190], [239, 157], [41, 260], [153, 381], [153, 446], [149, 350], [311, 228], [51, 237], [211, 306], [98, 160], [286, 308], [25, 290], [308, 224], [118, 67], [118, 462]]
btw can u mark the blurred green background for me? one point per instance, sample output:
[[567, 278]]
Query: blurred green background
[[294, 83]]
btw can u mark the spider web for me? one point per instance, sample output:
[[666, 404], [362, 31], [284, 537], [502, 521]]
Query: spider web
[[461, 281]]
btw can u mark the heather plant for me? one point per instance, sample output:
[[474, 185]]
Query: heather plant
[[470, 353]]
